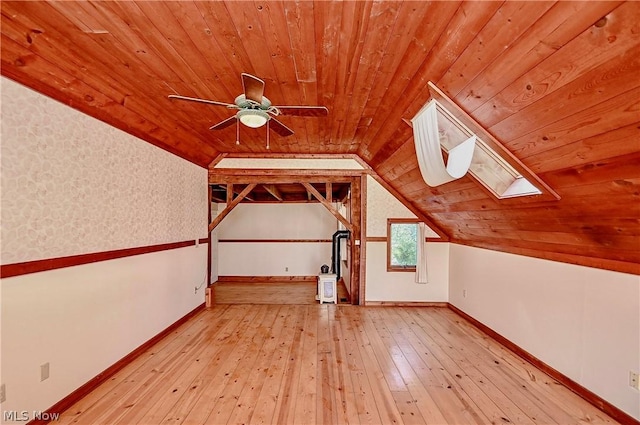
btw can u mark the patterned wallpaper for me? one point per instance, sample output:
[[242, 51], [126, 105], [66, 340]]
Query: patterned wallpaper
[[71, 184], [383, 205]]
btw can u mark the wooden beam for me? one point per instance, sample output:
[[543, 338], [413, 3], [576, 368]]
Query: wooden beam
[[357, 245], [229, 193], [209, 265], [276, 178], [328, 191], [217, 159], [230, 206], [328, 206], [285, 172], [363, 244], [273, 190], [277, 155]]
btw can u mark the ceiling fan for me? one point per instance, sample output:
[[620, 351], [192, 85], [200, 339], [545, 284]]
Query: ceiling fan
[[255, 110]]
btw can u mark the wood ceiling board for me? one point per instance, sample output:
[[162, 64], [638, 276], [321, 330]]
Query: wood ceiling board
[[79, 60], [409, 93], [607, 82], [617, 142], [594, 46], [505, 28], [369, 63], [571, 258], [382, 20], [619, 170], [555, 28], [607, 116]]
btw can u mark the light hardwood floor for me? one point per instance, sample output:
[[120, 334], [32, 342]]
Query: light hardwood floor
[[256, 292], [330, 364]]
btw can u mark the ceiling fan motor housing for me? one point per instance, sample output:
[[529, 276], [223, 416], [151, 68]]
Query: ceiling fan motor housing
[[242, 102]]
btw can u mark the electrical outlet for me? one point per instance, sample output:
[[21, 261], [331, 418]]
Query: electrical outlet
[[286, 269], [634, 381], [44, 371], [3, 393], [464, 293]]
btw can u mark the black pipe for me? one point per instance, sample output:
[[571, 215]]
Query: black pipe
[[335, 252]]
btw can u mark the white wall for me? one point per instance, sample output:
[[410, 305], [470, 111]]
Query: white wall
[[399, 286], [73, 185], [582, 321], [83, 319], [272, 259], [275, 222]]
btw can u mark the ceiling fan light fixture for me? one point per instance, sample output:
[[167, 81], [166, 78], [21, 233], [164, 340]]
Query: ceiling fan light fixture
[[253, 118]]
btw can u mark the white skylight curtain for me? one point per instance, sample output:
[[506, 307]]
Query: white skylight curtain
[[430, 160], [421, 254]]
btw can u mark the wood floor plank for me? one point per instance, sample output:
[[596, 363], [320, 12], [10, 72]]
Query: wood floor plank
[[227, 362], [305, 411], [161, 403], [148, 359], [251, 372], [538, 408], [277, 352], [418, 394], [146, 375], [238, 377], [326, 407], [272, 292], [346, 396], [286, 396], [230, 336], [365, 403], [330, 364], [455, 405], [488, 397], [527, 374]]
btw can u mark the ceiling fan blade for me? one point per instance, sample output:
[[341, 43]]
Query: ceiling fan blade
[[197, 99], [253, 87], [279, 128], [304, 111], [223, 124]]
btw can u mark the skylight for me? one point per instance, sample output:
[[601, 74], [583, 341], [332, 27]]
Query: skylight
[[492, 165], [489, 168]]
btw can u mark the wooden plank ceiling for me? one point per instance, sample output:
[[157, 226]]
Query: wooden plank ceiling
[[556, 82]]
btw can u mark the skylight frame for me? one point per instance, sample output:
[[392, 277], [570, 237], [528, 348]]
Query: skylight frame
[[492, 147], [500, 188]]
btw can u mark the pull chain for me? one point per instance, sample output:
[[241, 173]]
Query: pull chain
[[237, 132]]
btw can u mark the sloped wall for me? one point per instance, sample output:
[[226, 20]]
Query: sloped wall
[[73, 185], [583, 322]]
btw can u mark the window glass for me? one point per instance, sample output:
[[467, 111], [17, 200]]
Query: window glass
[[402, 246]]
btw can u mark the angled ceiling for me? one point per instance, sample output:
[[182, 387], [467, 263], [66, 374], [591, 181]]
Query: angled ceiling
[[555, 82]]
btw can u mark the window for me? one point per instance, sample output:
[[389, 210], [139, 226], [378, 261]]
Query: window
[[402, 245], [492, 165], [487, 166]]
